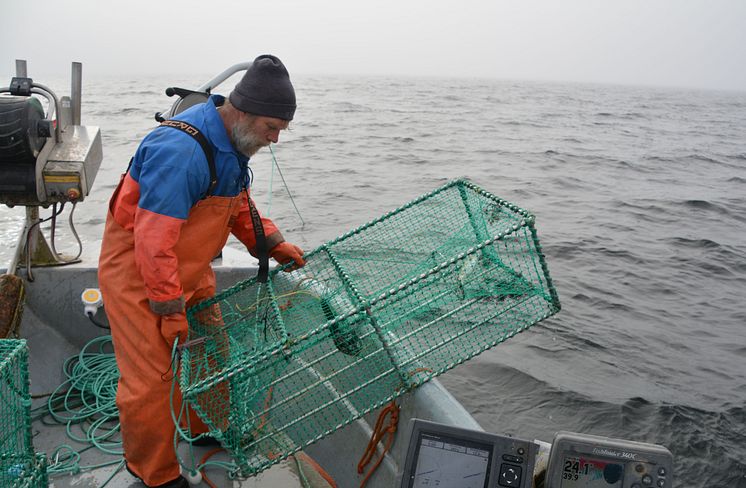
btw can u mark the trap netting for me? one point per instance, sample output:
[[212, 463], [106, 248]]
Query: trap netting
[[19, 466], [380, 310], [25, 472]]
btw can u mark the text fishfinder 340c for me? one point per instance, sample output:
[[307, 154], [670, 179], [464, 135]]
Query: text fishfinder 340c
[[587, 461]]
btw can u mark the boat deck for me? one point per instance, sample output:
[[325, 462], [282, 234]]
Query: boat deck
[[56, 329]]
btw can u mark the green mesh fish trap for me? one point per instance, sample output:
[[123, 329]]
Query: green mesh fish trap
[[19, 466], [272, 367]]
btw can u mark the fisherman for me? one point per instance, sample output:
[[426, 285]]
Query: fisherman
[[165, 224]]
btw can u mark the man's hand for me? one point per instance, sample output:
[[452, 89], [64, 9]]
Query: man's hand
[[174, 325], [285, 253]]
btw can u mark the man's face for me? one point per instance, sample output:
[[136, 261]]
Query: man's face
[[253, 132]]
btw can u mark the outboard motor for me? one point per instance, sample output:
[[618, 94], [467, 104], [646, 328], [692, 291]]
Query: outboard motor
[[44, 160]]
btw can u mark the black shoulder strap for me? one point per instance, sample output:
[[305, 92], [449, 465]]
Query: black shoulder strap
[[261, 238], [261, 242], [202, 140]]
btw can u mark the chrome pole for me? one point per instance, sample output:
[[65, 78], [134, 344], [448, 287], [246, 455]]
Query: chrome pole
[[76, 92], [21, 68]]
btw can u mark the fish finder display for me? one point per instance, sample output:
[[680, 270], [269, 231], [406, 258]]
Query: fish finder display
[[584, 472], [450, 462]]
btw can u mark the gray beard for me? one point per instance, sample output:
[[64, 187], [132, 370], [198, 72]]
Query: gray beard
[[245, 141]]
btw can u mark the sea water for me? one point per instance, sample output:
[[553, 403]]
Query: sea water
[[640, 202]]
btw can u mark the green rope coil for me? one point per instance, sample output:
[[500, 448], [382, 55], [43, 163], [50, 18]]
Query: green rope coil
[[85, 404]]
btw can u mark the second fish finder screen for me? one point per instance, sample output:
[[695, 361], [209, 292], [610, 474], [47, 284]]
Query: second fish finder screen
[[450, 462]]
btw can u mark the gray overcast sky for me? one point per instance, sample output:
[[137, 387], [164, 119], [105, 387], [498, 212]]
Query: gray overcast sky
[[641, 42]]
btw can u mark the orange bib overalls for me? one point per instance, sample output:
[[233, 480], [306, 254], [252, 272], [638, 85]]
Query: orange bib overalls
[[142, 351]]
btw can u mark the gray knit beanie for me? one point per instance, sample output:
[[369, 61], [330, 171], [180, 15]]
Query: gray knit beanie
[[265, 89]]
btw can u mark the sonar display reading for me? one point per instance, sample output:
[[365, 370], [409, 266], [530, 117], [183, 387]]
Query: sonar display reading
[[445, 465]]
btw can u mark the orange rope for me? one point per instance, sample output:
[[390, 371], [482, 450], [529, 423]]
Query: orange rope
[[302, 455], [379, 432], [204, 460], [322, 472]]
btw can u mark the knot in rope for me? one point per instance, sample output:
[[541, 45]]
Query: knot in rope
[[392, 411]]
